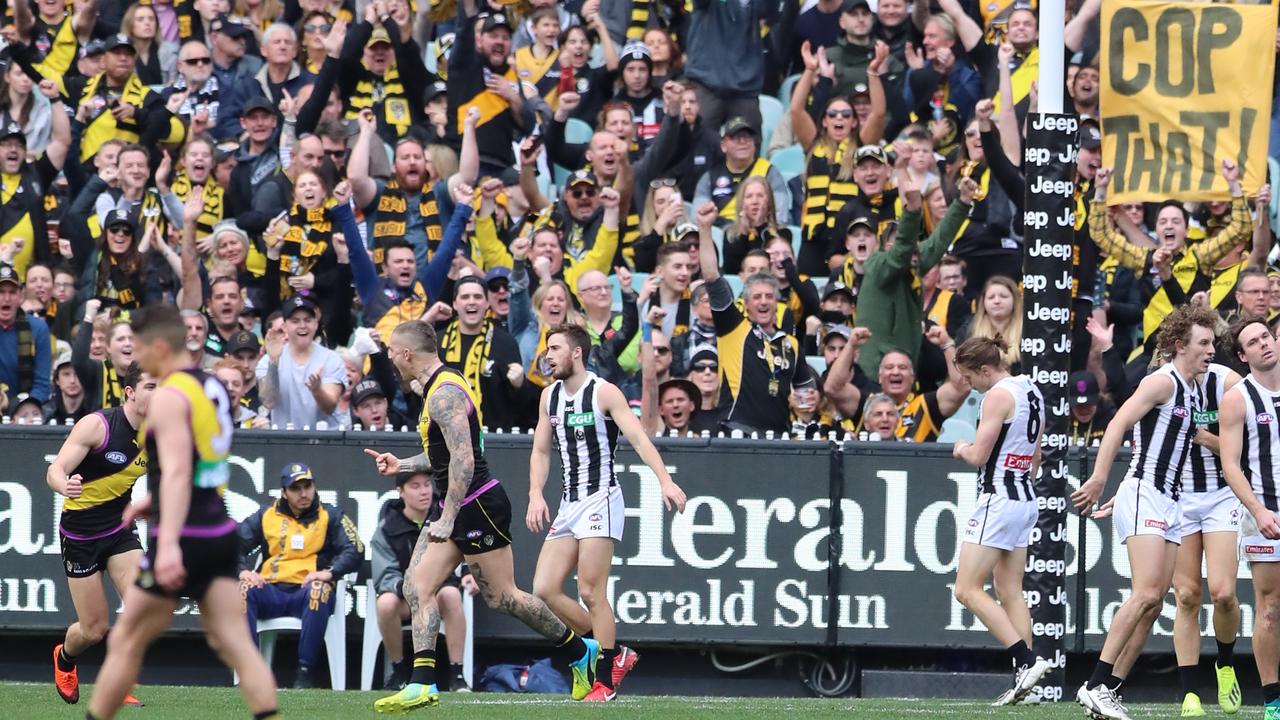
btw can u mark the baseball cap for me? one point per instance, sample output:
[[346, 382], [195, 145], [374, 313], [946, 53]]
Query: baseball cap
[[686, 385], [736, 125], [12, 129], [365, 389], [243, 340], [1083, 387], [863, 221], [118, 217], [258, 102], [231, 28], [379, 35], [93, 47], [117, 41], [702, 353], [9, 275], [498, 273], [1090, 135], [582, 177], [434, 90], [837, 287], [635, 52], [830, 330], [293, 472], [860, 88], [873, 152], [493, 21], [299, 302], [685, 229], [852, 5]]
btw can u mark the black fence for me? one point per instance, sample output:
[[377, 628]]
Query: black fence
[[783, 542]]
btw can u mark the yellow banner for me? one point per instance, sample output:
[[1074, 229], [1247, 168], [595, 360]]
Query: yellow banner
[[1185, 86]]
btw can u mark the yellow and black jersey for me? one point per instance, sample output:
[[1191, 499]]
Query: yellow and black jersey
[[22, 211], [756, 367], [541, 73], [96, 98], [209, 415], [321, 538], [54, 47], [107, 474], [432, 436], [920, 418], [724, 184]]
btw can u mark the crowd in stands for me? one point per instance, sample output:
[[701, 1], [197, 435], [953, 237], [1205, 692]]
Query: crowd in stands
[[770, 216]]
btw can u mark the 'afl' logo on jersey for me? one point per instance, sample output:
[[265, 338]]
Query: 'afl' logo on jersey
[[1182, 412], [116, 457], [1265, 418]]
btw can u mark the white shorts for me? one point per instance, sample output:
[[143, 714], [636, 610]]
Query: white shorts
[[1254, 547], [600, 514], [1140, 509], [1213, 511], [998, 522]]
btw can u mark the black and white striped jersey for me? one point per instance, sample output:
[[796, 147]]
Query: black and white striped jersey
[[1162, 438], [587, 438], [1202, 472], [1260, 453], [1007, 471]]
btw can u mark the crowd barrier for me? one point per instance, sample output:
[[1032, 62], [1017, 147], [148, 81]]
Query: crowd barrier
[[782, 543]]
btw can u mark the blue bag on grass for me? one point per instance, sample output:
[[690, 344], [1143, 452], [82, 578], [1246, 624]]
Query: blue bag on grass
[[540, 677]]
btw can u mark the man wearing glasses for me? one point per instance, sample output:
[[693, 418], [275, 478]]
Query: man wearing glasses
[[611, 333], [196, 78]]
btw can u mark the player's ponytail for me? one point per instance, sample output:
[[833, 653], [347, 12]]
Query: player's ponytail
[[979, 352]]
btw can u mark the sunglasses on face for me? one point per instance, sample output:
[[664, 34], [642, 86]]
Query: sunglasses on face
[[119, 230], [661, 350], [579, 193], [705, 367], [336, 154], [840, 114], [318, 28], [661, 183], [198, 61], [498, 286]]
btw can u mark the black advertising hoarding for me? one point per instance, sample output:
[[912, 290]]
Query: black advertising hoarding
[[1049, 161], [747, 564]]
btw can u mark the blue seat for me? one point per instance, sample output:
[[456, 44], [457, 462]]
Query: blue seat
[[789, 161], [771, 111], [788, 85], [637, 280], [577, 131]]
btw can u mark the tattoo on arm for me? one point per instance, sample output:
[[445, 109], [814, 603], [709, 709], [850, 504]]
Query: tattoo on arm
[[450, 408], [415, 464]]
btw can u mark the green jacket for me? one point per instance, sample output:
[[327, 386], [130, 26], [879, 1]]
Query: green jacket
[[851, 63], [889, 303]]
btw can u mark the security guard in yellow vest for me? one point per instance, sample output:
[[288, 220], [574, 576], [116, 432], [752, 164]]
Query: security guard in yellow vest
[[306, 547], [739, 143]]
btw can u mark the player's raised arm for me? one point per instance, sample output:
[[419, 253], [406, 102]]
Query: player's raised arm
[[450, 408], [613, 402], [1152, 391], [88, 433], [538, 516]]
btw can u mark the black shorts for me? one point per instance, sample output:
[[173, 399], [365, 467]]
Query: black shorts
[[205, 560], [83, 558], [483, 524]]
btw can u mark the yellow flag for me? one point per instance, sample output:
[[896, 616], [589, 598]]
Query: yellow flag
[[1185, 85]]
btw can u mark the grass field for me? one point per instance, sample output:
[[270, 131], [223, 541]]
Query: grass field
[[38, 702]]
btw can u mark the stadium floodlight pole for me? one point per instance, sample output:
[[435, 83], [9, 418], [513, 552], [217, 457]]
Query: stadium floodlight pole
[[1052, 81]]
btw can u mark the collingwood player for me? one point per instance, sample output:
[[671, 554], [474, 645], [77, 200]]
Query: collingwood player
[[95, 471], [1006, 450], [584, 414], [193, 550], [472, 522], [1210, 525], [1251, 465], [1147, 517]]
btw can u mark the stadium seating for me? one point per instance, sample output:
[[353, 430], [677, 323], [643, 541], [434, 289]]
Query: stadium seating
[[789, 161], [373, 639], [771, 111], [335, 637], [784, 93], [577, 131]]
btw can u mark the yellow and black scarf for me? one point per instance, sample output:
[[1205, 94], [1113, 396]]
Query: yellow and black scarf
[[387, 91], [309, 235], [391, 219], [102, 125], [476, 364]]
